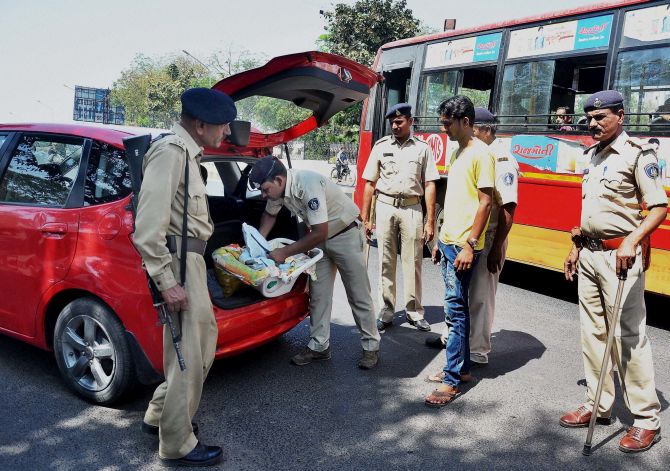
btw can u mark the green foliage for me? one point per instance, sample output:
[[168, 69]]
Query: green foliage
[[357, 31]]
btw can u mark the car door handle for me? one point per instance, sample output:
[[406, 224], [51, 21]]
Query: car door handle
[[54, 228]]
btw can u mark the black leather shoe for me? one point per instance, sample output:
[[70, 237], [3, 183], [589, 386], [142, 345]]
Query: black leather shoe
[[382, 326], [153, 430], [421, 324], [435, 342], [201, 455]]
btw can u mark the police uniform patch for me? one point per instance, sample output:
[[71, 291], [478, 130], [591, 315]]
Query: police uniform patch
[[313, 204], [652, 170], [508, 178]]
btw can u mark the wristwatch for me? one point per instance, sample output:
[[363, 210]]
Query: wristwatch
[[473, 243]]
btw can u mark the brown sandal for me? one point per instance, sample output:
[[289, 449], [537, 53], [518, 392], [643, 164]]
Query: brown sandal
[[440, 398], [439, 378]]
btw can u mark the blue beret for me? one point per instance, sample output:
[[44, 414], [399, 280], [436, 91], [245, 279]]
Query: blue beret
[[209, 106], [604, 99], [261, 169], [484, 116], [401, 109]]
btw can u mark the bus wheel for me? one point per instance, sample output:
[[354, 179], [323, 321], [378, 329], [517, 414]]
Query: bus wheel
[[92, 353], [439, 218]]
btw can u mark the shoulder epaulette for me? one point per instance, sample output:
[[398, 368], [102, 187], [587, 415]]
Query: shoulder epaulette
[[385, 138]]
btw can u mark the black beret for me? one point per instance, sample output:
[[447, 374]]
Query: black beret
[[604, 99], [209, 106], [484, 116], [401, 109], [261, 169]]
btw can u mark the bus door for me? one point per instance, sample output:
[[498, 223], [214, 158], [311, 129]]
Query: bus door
[[394, 90]]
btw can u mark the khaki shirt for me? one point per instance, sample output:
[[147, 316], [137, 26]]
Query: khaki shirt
[[507, 181], [161, 202], [618, 179], [401, 169], [315, 199]]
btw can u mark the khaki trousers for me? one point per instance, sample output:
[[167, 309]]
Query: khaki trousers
[[343, 253], [408, 222], [597, 291], [176, 400], [483, 287]]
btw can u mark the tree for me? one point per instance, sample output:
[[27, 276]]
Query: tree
[[357, 31]]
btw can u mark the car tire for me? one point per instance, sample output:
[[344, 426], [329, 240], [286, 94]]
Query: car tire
[[92, 352]]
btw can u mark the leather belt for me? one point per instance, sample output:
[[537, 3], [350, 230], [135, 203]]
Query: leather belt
[[398, 201], [192, 244], [598, 245], [350, 226]]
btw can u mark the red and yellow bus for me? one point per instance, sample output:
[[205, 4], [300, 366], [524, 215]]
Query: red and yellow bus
[[523, 71]]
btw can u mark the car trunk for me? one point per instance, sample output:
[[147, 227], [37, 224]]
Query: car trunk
[[236, 205]]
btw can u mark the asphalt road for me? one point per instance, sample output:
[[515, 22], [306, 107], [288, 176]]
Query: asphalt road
[[270, 415]]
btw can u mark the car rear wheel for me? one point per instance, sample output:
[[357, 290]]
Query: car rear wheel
[[92, 352]]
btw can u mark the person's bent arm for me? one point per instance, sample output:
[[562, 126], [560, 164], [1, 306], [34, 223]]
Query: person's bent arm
[[625, 254], [464, 259], [267, 223], [317, 235], [368, 192], [430, 195], [505, 221]]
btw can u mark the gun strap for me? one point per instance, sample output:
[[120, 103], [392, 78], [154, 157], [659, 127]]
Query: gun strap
[[184, 226]]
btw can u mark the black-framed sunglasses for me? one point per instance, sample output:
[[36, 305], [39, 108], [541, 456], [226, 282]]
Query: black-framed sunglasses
[[256, 185]]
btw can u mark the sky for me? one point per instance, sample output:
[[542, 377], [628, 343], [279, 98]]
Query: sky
[[49, 46]]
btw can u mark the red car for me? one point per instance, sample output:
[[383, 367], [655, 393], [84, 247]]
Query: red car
[[71, 279]]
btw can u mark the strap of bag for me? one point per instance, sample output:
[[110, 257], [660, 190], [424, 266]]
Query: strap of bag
[[184, 226]]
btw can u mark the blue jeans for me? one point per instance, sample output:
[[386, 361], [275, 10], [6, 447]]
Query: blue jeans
[[456, 314]]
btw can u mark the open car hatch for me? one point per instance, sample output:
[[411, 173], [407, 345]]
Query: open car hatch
[[322, 83]]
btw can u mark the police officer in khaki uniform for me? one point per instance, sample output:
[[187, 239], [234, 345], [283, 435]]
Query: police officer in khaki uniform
[[334, 227], [622, 176], [401, 170], [205, 119], [485, 275]]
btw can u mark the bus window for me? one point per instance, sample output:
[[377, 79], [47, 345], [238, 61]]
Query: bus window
[[533, 92], [526, 91], [434, 88], [477, 85], [643, 77]]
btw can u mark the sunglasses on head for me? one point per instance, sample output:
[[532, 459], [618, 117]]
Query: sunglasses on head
[[256, 185]]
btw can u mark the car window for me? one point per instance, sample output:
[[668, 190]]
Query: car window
[[212, 179], [41, 171], [107, 177], [3, 137]]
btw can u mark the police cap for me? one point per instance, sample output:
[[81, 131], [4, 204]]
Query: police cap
[[484, 116], [261, 170], [401, 109], [604, 99], [209, 106]]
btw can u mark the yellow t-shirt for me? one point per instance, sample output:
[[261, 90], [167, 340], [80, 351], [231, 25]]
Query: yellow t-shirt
[[472, 169]]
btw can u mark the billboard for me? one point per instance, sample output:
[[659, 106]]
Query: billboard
[[92, 105], [463, 51]]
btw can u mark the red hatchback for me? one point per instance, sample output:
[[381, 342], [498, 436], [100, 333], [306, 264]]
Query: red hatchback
[[70, 276]]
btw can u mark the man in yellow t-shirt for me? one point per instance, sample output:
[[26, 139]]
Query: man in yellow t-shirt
[[467, 206]]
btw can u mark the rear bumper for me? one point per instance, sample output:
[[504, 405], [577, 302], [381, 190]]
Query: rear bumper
[[248, 327]]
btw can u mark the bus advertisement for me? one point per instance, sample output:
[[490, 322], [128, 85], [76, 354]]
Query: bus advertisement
[[526, 71]]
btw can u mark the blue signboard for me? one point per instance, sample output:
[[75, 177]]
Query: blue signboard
[[487, 47], [537, 151], [593, 32]]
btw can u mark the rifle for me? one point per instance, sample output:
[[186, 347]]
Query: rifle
[[136, 147]]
